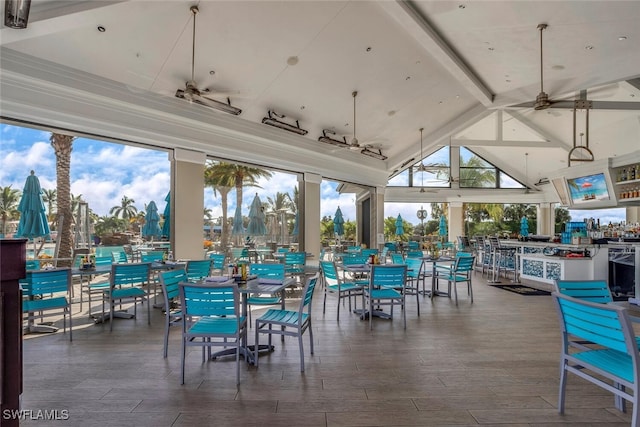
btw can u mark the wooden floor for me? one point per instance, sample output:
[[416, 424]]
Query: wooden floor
[[493, 362]]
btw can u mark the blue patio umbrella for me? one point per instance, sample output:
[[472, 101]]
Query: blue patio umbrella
[[256, 225], [524, 227], [33, 219], [237, 229], [166, 226], [151, 227], [338, 223], [442, 227], [399, 226]]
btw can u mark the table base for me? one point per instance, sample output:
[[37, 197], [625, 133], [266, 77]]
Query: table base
[[248, 355], [364, 314], [99, 318], [42, 328]]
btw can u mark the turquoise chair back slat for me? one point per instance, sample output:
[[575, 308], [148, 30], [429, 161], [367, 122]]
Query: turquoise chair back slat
[[152, 256], [103, 260], [282, 250], [129, 274], [209, 300], [459, 254], [413, 245], [169, 281], [415, 254], [369, 252], [590, 290], [308, 294], [218, 261], [45, 282], [295, 258], [33, 264], [463, 264], [268, 271], [198, 269], [355, 259], [414, 267]]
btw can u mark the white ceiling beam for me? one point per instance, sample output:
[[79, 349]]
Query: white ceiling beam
[[557, 142], [56, 19], [502, 143], [419, 28]]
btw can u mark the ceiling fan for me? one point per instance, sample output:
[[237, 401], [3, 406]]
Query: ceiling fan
[[192, 93], [371, 149], [423, 168]]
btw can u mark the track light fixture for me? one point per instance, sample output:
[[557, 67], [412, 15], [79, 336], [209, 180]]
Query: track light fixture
[[16, 13], [375, 153], [271, 121], [328, 140]]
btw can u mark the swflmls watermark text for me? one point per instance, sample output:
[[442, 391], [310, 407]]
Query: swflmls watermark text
[[36, 414]]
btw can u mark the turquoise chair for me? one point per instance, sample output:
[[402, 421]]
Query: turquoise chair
[[414, 254], [355, 259], [369, 252], [212, 318], [383, 255], [294, 265], [47, 293], [95, 288], [33, 264], [412, 245], [334, 284], [459, 272], [397, 258], [415, 277], [152, 256], [119, 257], [169, 281], [288, 322], [265, 272], [387, 285], [198, 270], [218, 263], [125, 285]]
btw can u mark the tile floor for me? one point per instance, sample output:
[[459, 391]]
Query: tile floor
[[490, 363]]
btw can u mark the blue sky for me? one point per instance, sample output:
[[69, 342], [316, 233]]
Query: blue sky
[[104, 172]]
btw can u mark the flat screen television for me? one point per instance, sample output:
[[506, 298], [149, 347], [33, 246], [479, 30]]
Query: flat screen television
[[586, 186]]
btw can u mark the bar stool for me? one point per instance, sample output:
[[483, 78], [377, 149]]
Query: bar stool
[[500, 257]]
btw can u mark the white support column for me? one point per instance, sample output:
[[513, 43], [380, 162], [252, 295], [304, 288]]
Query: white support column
[[632, 215], [456, 221], [546, 219], [309, 220], [377, 217], [187, 203]]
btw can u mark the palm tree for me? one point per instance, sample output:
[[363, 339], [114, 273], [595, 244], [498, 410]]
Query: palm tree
[[218, 176], [280, 201], [62, 146], [126, 210], [50, 197], [9, 200]]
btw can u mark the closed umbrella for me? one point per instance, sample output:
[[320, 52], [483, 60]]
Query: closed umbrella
[[338, 223], [399, 226], [295, 224], [151, 227], [166, 226], [33, 219], [442, 227], [256, 225], [237, 229], [524, 227]]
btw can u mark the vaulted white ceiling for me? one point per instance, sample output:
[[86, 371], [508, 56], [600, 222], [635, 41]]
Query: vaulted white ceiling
[[451, 67]]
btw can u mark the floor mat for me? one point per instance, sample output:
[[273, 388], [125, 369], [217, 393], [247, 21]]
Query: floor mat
[[522, 290]]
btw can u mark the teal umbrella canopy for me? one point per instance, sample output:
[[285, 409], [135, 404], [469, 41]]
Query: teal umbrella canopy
[[151, 227], [442, 227], [524, 227], [237, 229], [399, 226], [256, 225], [338, 223], [33, 219], [166, 226]]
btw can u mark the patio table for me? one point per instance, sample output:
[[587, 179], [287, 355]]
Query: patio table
[[434, 275]]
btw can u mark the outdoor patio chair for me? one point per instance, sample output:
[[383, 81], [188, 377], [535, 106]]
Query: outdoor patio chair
[[212, 318], [334, 284], [94, 288], [288, 322], [416, 275], [119, 257], [414, 254], [265, 272], [383, 255], [355, 259], [294, 265], [612, 363], [459, 272], [397, 258], [173, 313], [152, 256], [218, 263], [369, 252], [125, 285], [386, 288], [47, 293], [198, 270]]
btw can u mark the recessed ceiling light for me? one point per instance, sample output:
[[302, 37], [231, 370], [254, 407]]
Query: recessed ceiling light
[[302, 107], [408, 78], [101, 28], [491, 48], [622, 38], [212, 72], [461, 6], [391, 113], [588, 47], [557, 67], [633, 95], [508, 81], [369, 49], [292, 60]]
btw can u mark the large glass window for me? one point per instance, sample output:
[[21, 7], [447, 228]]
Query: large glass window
[[476, 172]]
